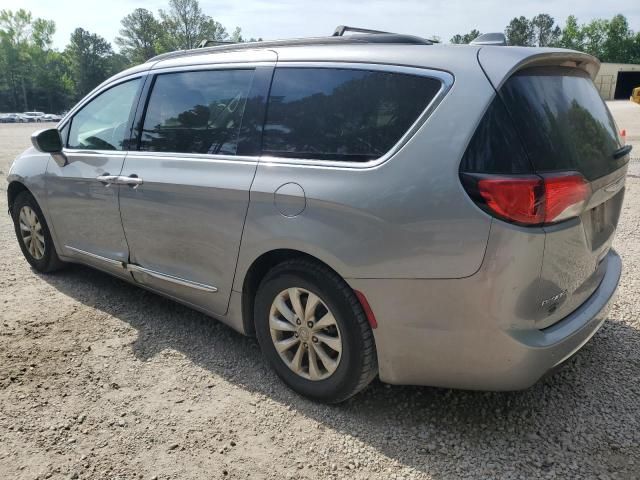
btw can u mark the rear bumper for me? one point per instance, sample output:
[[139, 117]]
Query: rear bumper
[[419, 344]]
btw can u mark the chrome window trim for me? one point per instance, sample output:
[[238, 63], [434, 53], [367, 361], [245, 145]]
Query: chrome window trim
[[446, 79], [203, 157], [211, 66], [172, 279]]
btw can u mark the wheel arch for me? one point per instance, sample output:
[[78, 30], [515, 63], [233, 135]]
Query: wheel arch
[[13, 190], [258, 270]]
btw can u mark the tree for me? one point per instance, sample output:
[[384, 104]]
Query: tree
[[140, 36], [619, 39], [185, 26], [466, 38], [571, 35], [15, 31], [236, 36], [50, 88], [520, 32], [89, 57], [594, 34], [545, 32], [32, 74]]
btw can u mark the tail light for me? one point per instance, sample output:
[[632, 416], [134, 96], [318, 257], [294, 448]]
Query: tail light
[[529, 199]]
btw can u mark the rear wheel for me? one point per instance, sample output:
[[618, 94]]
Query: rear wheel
[[313, 331], [33, 234]]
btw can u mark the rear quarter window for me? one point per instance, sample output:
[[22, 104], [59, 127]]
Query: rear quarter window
[[342, 114]]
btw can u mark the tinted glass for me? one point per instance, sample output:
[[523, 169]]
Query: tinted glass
[[196, 112], [495, 146], [562, 120], [340, 114], [102, 123]]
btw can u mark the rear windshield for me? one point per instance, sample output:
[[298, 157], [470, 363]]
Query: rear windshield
[[562, 121]]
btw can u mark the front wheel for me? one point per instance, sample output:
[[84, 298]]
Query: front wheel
[[313, 331], [33, 234]]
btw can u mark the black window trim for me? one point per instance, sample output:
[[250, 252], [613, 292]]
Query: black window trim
[[446, 82]]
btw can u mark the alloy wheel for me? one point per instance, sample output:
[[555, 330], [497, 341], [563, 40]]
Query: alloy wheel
[[305, 334], [31, 232]]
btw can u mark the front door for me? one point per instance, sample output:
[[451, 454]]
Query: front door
[[82, 198], [184, 211]]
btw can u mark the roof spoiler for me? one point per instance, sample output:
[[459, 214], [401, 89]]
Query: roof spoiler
[[500, 63]]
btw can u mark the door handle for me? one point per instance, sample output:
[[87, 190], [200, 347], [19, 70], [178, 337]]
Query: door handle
[[107, 179], [132, 181]]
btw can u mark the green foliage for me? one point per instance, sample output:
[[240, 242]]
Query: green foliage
[[34, 76], [520, 32], [90, 60], [545, 32], [185, 26], [609, 40], [466, 38], [140, 37]]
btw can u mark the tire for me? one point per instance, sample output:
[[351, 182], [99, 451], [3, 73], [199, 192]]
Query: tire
[[43, 259], [347, 327]]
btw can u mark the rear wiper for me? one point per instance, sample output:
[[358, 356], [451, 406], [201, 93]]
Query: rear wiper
[[621, 152]]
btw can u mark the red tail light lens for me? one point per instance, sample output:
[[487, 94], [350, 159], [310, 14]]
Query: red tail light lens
[[514, 199], [531, 199], [565, 196]]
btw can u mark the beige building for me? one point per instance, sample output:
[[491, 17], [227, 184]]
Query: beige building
[[616, 80]]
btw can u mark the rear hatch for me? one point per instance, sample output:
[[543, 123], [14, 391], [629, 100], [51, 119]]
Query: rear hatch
[[563, 171]]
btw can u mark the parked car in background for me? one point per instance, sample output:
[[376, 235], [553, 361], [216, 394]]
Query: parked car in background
[[34, 116], [9, 118], [50, 117], [370, 205]]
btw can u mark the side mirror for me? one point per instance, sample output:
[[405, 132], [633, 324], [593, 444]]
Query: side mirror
[[49, 141]]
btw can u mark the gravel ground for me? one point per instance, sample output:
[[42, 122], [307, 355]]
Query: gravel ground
[[99, 379]]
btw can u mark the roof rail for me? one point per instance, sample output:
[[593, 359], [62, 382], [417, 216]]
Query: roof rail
[[210, 46], [342, 29], [214, 43]]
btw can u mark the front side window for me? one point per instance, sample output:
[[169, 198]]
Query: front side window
[[342, 114], [196, 112], [102, 123]]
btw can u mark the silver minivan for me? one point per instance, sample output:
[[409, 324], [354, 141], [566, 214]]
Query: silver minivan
[[365, 205]]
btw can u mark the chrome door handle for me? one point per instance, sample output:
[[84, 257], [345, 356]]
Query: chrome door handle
[[131, 181], [107, 179]]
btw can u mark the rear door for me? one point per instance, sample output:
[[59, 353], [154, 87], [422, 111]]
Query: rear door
[[184, 208], [566, 127]]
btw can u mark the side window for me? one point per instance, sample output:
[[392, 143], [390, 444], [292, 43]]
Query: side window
[[342, 114], [102, 123], [196, 112]]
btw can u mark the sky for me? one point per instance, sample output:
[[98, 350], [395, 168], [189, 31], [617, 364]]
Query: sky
[[273, 19]]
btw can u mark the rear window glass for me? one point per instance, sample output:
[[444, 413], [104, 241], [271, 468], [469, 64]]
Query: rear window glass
[[562, 121], [196, 112], [495, 146], [342, 114]]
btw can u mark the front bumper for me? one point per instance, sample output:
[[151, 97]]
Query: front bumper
[[437, 341]]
